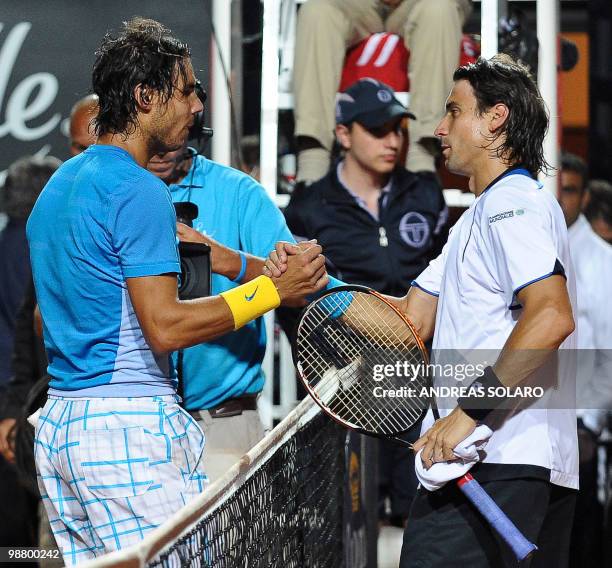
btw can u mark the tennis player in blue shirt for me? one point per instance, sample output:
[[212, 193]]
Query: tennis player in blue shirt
[[115, 454]]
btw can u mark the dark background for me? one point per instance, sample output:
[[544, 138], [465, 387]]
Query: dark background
[[58, 39], [46, 54]]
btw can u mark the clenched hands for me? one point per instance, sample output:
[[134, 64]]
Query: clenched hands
[[297, 271]]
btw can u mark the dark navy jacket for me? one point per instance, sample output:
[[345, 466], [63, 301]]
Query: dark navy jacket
[[14, 277], [386, 254]]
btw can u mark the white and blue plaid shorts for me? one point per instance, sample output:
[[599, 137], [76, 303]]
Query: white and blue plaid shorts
[[112, 469]]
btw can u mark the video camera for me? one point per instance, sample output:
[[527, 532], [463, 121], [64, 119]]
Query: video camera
[[196, 271]]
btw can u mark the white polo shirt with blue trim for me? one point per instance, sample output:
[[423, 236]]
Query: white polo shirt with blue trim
[[513, 235]]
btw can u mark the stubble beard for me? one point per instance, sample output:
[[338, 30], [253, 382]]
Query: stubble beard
[[161, 143]]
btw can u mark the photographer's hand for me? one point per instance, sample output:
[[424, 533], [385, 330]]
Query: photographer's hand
[[224, 260]]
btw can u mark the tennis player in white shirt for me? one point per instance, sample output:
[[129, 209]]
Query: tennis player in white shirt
[[504, 283]]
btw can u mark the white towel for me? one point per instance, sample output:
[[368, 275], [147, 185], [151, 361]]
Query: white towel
[[440, 473]]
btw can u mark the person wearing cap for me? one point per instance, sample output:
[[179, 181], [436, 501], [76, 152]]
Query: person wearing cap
[[378, 223], [431, 30]]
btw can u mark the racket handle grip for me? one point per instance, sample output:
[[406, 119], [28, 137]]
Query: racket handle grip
[[521, 547]]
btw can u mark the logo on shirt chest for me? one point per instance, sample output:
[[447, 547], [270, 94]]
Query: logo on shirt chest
[[505, 215], [414, 229]]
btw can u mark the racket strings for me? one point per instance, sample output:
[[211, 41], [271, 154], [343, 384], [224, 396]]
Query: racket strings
[[325, 333], [394, 407], [362, 414], [338, 352], [327, 387]]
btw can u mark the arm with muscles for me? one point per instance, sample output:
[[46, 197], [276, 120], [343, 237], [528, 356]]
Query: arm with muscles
[[545, 322], [170, 324]]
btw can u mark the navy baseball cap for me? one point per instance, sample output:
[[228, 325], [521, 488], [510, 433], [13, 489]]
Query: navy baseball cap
[[370, 103]]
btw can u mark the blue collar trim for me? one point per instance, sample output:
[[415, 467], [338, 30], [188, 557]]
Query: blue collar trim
[[508, 172]]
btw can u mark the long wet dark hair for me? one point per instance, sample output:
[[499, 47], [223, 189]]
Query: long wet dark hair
[[143, 53], [503, 80]]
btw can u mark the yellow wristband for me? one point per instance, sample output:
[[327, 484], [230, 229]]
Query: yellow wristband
[[251, 300]]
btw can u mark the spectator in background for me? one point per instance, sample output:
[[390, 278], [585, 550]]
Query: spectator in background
[[326, 28], [379, 224], [598, 209], [24, 181], [592, 258], [81, 129]]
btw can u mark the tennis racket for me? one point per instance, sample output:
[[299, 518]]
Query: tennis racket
[[352, 349]]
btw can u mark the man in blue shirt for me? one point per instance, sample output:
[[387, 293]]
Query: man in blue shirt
[[115, 453], [223, 377]]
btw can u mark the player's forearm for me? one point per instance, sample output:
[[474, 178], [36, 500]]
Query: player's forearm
[[189, 322], [536, 336], [169, 324], [420, 308]]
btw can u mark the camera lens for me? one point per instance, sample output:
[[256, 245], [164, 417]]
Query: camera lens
[[189, 280]]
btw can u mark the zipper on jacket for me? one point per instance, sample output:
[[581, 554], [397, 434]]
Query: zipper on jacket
[[383, 241]]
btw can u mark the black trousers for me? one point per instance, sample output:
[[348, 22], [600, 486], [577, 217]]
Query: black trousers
[[444, 530], [586, 544], [18, 510]]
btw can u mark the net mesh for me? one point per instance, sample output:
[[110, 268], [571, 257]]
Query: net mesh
[[287, 513]]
